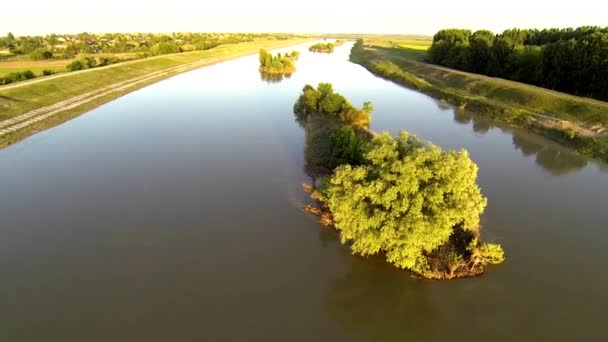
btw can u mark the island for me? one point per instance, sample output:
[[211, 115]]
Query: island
[[400, 196], [325, 47], [279, 64]]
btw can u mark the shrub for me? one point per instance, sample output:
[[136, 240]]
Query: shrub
[[41, 54], [17, 76]]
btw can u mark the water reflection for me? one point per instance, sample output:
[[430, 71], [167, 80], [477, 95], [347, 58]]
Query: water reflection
[[274, 78], [376, 301], [480, 125], [555, 159], [550, 157]]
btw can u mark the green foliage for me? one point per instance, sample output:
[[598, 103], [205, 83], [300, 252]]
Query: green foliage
[[485, 253], [41, 54], [89, 43], [279, 64], [107, 60], [82, 62], [404, 200], [347, 146], [510, 102], [325, 47], [47, 72], [166, 48], [17, 76], [568, 60], [323, 100]]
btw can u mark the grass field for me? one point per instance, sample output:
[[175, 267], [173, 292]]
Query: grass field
[[575, 121], [409, 47], [57, 65], [23, 63], [18, 98]]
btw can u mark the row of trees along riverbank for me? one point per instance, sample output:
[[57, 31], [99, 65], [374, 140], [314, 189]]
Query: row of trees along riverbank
[[574, 61], [402, 197]]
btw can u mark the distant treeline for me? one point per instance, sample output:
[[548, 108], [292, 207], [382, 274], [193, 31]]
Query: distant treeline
[[570, 60], [70, 45]]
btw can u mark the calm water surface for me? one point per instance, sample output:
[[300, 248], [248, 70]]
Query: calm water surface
[[174, 214]]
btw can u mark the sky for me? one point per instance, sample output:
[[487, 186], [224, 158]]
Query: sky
[[304, 16]]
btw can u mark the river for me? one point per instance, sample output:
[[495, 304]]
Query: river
[[174, 213]]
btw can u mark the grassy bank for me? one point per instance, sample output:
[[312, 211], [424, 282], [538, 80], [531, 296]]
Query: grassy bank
[[579, 123], [29, 95]]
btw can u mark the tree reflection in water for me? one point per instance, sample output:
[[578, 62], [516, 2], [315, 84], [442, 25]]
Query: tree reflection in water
[[274, 78], [378, 302], [551, 157]]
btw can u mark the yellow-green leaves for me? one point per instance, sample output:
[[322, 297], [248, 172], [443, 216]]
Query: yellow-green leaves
[[405, 200]]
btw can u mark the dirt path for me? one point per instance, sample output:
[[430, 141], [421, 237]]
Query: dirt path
[[36, 115]]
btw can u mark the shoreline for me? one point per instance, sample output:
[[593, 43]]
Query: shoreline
[[586, 138], [49, 110]]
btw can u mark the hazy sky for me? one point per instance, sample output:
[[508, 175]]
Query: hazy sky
[[340, 16]]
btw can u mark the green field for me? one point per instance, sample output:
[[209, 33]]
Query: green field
[[57, 65], [581, 122], [18, 98], [409, 47], [23, 63]]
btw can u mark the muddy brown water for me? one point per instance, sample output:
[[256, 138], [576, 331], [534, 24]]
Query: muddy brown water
[[174, 214]]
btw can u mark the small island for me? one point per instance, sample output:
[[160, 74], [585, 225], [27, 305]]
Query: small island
[[400, 196], [279, 64], [325, 48]]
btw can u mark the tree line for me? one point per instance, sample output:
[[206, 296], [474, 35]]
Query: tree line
[[570, 60], [70, 45]]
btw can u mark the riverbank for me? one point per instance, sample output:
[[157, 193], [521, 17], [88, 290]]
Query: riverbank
[[576, 122], [32, 106]]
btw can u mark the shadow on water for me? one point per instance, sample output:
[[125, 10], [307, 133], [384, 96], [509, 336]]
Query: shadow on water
[[555, 159], [273, 78], [376, 301], [373, 300]]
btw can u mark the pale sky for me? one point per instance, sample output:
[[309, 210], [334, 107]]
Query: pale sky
[[314, 16]]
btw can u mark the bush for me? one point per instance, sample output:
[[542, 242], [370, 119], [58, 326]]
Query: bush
[[17, 76], [81, 63], [107, 60], [47, 72], [41, 54]]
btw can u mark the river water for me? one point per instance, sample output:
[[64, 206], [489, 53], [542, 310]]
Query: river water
[[174, 214]]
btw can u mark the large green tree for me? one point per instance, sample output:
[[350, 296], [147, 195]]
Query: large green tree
[[407, 200]]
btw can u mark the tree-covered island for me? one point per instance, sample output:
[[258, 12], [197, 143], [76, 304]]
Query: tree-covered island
[[325, 47], [399, 196], [279, 64]]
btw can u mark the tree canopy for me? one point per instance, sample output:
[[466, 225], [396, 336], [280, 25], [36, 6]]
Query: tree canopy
[[402, 197], [325, 47], [405, 200], [569, 60], [324, 100], [279, 63]]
